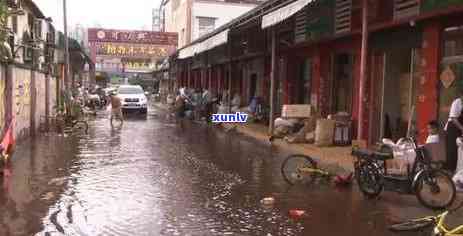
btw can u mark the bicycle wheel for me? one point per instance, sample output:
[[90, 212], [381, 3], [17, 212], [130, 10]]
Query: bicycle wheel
[[80, 127], [369, 179], [435, 190], [413, 225], [291, 169]]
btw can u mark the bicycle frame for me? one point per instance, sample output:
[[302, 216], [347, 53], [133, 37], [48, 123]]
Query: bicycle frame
[[314, 171], [442, 229]]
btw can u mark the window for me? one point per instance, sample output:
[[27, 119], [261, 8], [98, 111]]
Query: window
[[206, 25], [453, 41]]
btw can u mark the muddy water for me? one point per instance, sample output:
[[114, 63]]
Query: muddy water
[[151, 178]]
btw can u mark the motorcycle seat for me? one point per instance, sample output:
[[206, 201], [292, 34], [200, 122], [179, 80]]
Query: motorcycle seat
[[374, 155]]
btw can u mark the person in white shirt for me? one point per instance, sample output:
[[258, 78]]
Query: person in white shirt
[[454, 129], [433, 132]]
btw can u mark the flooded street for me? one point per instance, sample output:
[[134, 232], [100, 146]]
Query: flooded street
[[152, 178]]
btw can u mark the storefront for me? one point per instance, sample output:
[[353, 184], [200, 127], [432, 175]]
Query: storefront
[[395, 71], [451, 67]]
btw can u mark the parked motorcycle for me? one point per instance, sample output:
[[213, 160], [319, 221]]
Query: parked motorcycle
[[433, 187]]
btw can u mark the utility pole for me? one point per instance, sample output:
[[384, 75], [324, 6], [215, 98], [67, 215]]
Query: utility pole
[[363, 69], [67, 75]]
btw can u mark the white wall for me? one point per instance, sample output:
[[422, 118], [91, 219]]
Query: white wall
[[176, 19], [224, 12]]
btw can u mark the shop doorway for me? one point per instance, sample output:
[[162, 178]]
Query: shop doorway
[[305, 82], [395, 75], [253, 86], [343, 83]]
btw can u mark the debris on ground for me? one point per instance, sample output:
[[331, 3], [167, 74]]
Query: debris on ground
[[297, 214], [343, 180], [268, 201]]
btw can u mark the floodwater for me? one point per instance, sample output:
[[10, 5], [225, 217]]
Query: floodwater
[[153, 178]]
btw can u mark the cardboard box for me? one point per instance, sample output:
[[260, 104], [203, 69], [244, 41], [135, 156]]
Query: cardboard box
[[296, 111]]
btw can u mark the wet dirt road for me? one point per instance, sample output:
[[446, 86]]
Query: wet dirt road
[[152, 178]]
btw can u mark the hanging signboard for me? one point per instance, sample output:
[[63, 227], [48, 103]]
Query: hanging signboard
[[132, 36], [132, 50]]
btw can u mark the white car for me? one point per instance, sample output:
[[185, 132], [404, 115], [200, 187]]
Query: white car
[[133, 98]]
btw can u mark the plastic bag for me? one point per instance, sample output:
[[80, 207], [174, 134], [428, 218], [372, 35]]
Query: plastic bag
[[404, 155], [460, 155], [458, 180], [324, 132]]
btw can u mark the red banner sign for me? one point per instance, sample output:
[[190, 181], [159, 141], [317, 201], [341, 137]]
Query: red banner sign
[[132, 36]]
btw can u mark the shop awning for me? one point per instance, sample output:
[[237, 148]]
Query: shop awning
[[214, 41], [283, 13], [187, 52], [208, 44]]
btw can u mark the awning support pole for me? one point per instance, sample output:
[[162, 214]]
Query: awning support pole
[[229, 73], [363, 73], [272, 83]]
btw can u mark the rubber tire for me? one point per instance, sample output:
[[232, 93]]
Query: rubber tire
[[365, 166], [411, 226], [310, 160], [433, 207], [144, 111]]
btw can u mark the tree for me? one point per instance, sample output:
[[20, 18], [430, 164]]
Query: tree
[[5, 49]]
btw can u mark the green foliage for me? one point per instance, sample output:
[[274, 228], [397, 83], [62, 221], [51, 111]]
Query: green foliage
[[3, 21]]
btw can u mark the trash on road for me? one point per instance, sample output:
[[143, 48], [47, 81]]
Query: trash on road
[[343, 180], [268, 201], [297, 214]]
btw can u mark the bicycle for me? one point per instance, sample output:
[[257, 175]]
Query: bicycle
[[302, 169], [372, 177], [437, 222]]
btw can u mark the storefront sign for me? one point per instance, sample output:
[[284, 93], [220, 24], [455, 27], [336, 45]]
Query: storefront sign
[[137, 64], [132, 36]]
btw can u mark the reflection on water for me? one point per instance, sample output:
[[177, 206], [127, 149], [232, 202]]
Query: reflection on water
[[152, 178]]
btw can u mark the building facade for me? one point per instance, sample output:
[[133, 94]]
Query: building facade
[[156, 18], [31, 69], [313, 51], [192, 19]]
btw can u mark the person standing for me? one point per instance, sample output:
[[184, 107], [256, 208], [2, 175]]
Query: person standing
[[180, 109], [116, 108], [454, 129]]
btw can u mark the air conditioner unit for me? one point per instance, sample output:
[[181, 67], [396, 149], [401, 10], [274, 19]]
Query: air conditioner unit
[[13, 3]]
